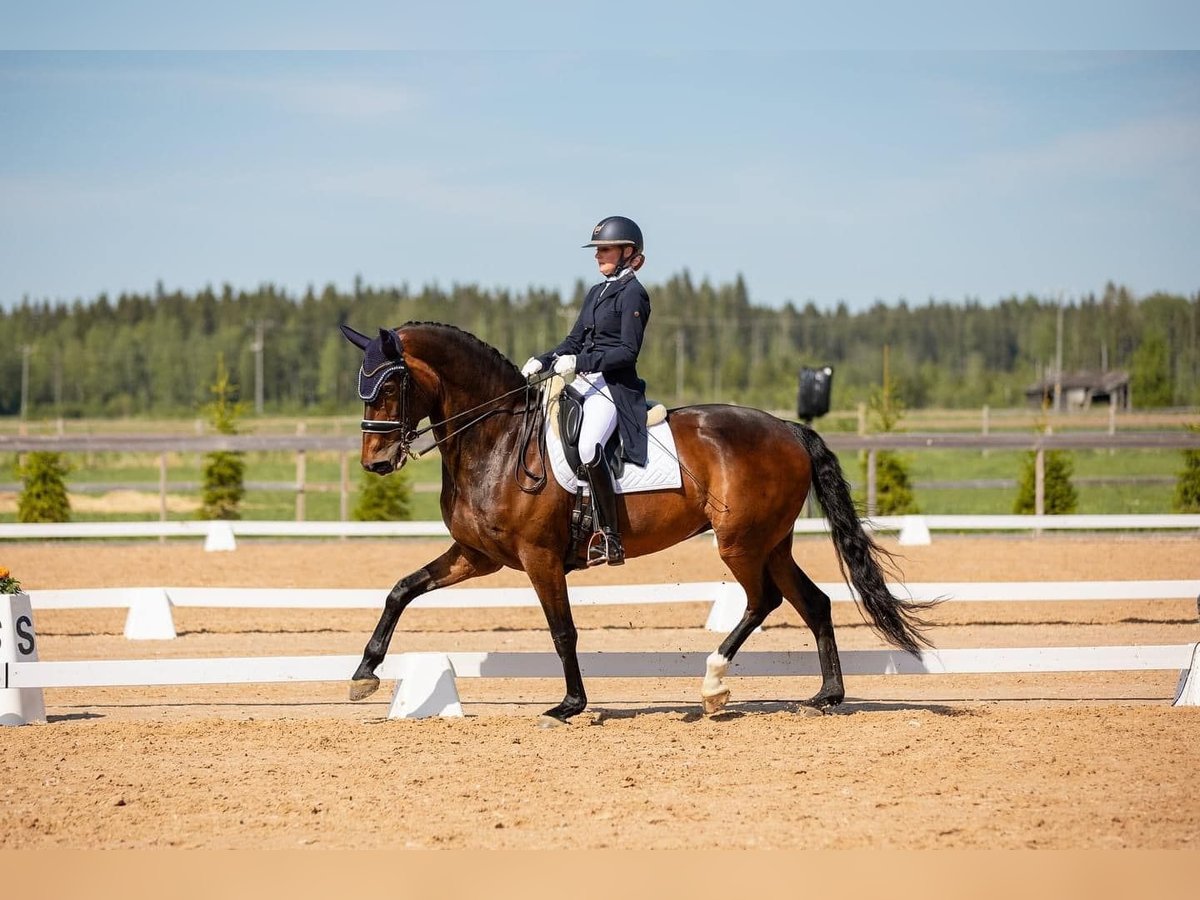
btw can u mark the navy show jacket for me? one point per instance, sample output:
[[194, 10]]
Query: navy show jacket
[[607, 338]]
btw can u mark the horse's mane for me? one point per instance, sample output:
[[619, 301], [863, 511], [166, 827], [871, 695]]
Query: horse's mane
[[465, 337]]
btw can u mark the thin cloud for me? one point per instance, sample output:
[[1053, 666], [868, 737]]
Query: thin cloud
[[339, 98], [424, 188], [343, 97], [1161, 154], [1130, 148]]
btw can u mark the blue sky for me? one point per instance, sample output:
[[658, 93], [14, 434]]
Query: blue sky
[[822, 163]]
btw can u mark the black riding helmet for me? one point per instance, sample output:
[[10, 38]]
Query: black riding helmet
[[616, 231]]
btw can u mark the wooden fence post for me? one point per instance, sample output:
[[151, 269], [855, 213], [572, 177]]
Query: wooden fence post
[[162, 493], [1112, 417], [1039, 485], [872, 505], [344, 498], [301, 467]]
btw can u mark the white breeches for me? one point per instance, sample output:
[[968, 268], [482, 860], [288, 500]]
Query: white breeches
[[599, 414]]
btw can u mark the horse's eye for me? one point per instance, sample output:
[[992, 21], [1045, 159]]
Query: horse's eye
[[389, 390]]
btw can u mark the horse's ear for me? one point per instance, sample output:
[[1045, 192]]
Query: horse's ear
[[358, 340], [390, 344]]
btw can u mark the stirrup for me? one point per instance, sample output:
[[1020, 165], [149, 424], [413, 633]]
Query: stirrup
[[605, 547]]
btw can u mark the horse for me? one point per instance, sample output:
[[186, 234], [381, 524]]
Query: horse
[[747, 476]]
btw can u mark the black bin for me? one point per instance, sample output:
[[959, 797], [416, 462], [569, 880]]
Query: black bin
[[813, 398]]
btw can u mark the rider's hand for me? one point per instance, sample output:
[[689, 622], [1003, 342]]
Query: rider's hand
[[564, 366], [532, 366]]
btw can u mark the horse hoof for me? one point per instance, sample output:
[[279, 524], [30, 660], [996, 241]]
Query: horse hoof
[[545, 721], [820, 705], [361, 688], [716, 703]]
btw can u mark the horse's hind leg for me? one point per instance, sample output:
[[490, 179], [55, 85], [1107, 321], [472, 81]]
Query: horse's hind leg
[[814, 607], [762, 596], [456, 564]]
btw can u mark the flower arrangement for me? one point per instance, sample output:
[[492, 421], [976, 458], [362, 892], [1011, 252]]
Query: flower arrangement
[[8, 584]]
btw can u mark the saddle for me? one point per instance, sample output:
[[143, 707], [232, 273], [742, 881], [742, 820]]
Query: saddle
[[565, 412]]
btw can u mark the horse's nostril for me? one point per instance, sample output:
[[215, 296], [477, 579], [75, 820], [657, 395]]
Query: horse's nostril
[[380, 468]]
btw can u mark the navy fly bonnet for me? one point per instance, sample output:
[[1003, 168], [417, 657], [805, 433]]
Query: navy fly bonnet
[[382, 356]]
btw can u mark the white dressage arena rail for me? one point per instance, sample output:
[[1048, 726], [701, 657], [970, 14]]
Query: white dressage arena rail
[[913, 530], [149, 609], [426, 681]]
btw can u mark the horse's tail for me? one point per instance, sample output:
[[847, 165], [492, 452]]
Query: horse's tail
[[862, 561]]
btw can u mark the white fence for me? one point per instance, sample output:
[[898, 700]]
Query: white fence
[[426, 681], [150, 617], [912, 529]]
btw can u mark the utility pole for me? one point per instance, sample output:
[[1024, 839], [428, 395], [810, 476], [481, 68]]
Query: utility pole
[[679, 363], [1058, 357], [257, 346], [26, 352]]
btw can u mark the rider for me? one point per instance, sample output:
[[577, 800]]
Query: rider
[[602, 351]]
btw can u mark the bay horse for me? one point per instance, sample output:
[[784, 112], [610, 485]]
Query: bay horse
[[747, 474]]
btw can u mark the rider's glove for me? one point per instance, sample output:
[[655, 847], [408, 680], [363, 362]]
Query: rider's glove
[[564, 366], [532, 366]]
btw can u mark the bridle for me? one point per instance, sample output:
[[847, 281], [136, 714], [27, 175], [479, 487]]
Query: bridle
[[370, 384]]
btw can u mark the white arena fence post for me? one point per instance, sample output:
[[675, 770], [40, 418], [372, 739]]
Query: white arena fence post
[[1188, 691], [426, 688], [220, 537], [18, 644], [914, 532], [728, 608], [149, 617]]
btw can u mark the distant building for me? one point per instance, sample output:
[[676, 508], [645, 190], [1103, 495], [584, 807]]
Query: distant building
[[1080, 390]]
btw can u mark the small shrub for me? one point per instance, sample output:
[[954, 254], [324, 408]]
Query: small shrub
[[893, 487], [43, 488], [1061, 497], [386, 499], [1187, 488], [224, 470]]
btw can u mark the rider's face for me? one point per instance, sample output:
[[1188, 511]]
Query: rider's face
[[608, 259]]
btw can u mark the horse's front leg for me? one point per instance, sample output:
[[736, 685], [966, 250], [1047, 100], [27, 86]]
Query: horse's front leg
[[456, 564], [550, 582]]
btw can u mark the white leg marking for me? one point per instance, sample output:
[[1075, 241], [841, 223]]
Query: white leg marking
[[713, 690]]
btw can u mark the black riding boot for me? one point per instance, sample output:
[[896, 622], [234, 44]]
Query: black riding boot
[[604, 502]]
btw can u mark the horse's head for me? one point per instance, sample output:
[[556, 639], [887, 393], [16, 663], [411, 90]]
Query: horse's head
[[393, 403]]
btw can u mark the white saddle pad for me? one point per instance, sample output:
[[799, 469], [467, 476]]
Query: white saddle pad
[[660, 474]]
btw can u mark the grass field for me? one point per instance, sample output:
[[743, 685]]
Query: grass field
[[125, 485]]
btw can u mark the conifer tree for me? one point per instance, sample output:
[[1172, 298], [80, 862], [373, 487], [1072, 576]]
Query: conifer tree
[[1187, 488], [893, 487], [1059, 494], [43, 489], [224, 470], [386, 499]]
